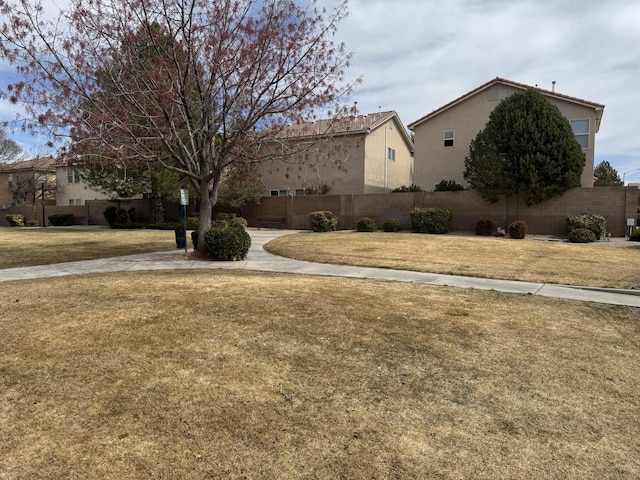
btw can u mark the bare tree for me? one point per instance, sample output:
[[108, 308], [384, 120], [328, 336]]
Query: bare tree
[[10, 151], [195, 85]]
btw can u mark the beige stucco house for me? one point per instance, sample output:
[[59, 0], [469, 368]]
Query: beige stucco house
[[21, 182], [443, 137], [72, 190], [361, 154]]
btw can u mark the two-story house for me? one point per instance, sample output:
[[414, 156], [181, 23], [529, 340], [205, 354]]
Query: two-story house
[[360, 154], [443, 137]]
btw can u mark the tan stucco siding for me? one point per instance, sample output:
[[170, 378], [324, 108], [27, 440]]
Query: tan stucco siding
[[74, 191], [338, 163], [381, 173], [435, 162]]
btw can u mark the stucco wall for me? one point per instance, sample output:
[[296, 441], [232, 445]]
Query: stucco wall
[[616, 204], [435, 162]]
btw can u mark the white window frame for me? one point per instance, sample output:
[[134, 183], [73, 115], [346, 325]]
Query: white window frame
[[10, 180], [391, 154], [299, 191], [582, 136], [278, 193], [448, 136], [72, 176]]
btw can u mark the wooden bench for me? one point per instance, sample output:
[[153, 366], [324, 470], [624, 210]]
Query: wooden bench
[[271, 222]]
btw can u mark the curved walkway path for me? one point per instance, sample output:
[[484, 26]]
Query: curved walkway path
[[260, 260]]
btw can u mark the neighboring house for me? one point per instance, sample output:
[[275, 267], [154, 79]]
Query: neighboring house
[[73, 191], [443, 137], [21, 183], [361, 154]]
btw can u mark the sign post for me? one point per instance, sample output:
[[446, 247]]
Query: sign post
[[184, 202]]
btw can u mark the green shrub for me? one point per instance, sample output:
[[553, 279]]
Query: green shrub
[[322, 221], [391, 225], [484, 227], [518, 229], [226, 243], [110, 215], [60, 219], [15, 220], [238, 222], [122, 217], [410, 188], [366, 224], [431, 220], [581, 235], [592, 221], [448, 186], [33, 223], [635, 235]]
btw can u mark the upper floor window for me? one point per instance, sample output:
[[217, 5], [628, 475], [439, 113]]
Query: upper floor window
[[10, 179], [391, 154], [581, 131], [497, 93], [72, 176], [299, 191], [448, 139], [278, 193]]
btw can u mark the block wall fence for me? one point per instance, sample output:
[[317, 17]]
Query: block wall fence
[[616, 204]]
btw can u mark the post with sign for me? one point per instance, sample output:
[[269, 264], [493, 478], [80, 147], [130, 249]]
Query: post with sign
[[184, 203]]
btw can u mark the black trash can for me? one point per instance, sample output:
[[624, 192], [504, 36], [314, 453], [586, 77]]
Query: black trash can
[[181, 237]]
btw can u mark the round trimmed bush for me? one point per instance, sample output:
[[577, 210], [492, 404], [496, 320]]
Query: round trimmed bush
[[581, 235], [391, 225], [366, 224], [322, 221], [518, 229], [592, 221], [226, 243], [431, 220], [484, 227]]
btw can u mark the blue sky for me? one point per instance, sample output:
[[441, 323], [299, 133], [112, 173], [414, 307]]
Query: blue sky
[[417, 55]]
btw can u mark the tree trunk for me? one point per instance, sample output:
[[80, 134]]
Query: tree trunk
[[157, 210]]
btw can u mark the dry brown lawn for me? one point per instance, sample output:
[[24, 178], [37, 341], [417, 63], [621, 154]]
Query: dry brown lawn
[[598, 264], [23, 247], [224, 374]]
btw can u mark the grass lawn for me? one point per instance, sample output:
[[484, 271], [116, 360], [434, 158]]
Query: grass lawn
[[596, 264], [241, 375], [23, 247], [225, 374]]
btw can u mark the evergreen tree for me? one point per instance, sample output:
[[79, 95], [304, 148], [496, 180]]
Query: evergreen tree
[[527, 148], [606, 175]]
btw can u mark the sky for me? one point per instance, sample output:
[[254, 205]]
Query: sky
[[415, 56]]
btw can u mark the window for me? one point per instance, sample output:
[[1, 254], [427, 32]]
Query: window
[[72, 176], [581, 131], [10, 179], [448, 139], [75, 201], [278, 193], [391, 154], [299, 191], [497, 93]]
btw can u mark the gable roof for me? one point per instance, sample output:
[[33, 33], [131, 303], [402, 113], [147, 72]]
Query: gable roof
[[599, 108], [352, 125], [38, 164]]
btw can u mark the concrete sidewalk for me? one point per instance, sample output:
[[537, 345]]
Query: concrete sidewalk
[[259, 260]]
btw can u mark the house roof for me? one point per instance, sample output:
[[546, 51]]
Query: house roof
[[599, 108], [352, 125], [38, 164]]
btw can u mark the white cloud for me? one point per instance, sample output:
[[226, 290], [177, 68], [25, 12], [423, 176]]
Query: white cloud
[[416, 56]]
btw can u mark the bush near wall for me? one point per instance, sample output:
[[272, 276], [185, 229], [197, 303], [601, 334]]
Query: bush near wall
[[484, 227], [581, 235], [15, 220], [60, 219], [591, 221], [322, 221], [518, 229], [366, 224], [431, 220], [391, 225]]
